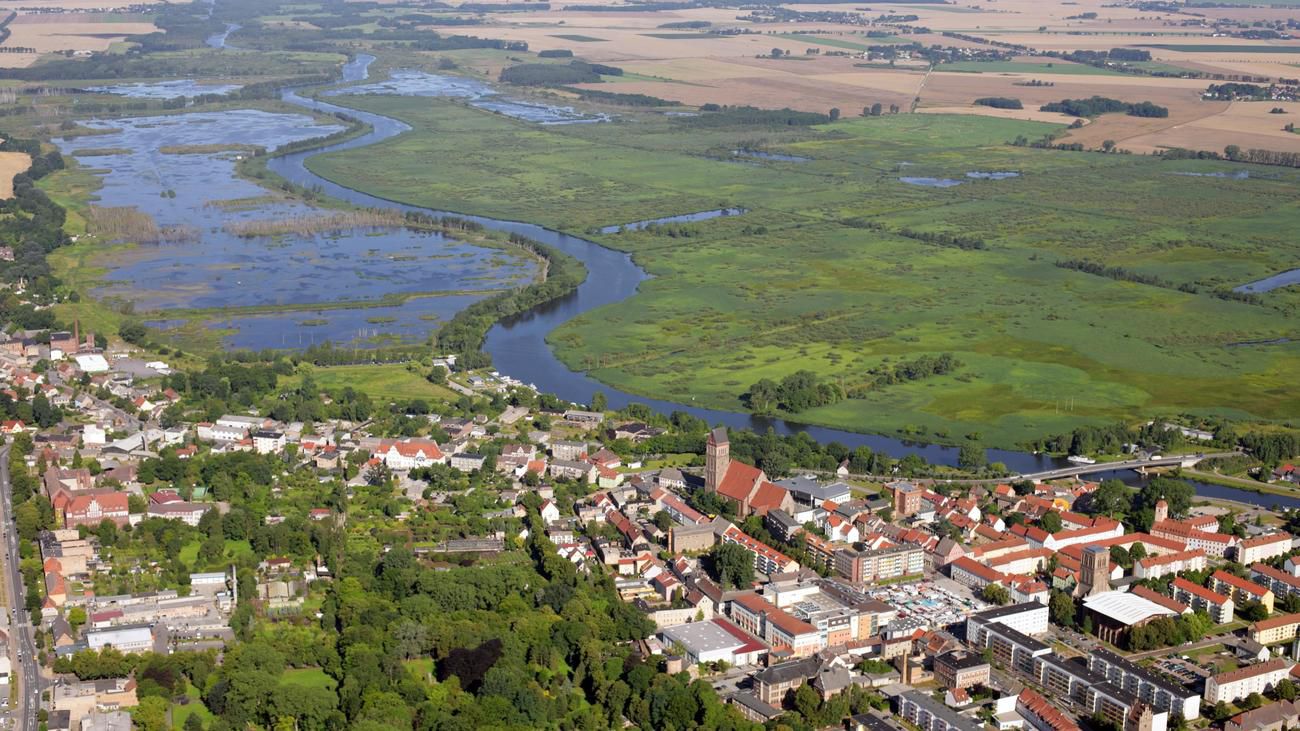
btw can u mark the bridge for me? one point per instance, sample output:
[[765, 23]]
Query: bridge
[[1140, 465]]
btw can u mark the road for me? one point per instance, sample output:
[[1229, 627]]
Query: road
[[1071, 471], [21, 633], [1132, 464]]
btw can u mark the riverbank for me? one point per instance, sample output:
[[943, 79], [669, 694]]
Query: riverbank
[[1240, 483]]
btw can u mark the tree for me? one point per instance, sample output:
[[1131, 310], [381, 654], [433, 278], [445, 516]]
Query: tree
[[1108, 145], [834, 113], [1062, 609], [971, 457], [995, 594], [107, 533], [1112, 498], [1051, 522], [1177, 493], [193, 722], [807, 702], [1285, 690], [1087, 627], [151, 714], [776, 53], [437, 376], [663, 521], [599, 402], [876, 109], [1120, 556], [76, 617], [734, 565]]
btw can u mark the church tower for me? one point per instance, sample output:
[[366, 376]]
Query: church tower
[[717, 456]]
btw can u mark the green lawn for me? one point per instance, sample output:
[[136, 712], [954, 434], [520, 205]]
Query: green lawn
[[189, 554], [384, 382], [793, 284], [308, 678], [194, 708], [1019, 67]]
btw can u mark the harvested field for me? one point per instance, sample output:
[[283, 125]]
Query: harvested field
[[74, 32], [11, 163]]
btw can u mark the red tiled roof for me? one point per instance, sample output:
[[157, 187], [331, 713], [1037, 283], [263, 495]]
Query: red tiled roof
[[1164, 601], [1237, 582], [739, 480], [1275, 622], [970, 566], [1168, 558], [1199, 591], [1050, 715], [1266, 540]]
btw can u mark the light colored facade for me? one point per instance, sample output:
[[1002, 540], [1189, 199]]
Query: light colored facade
[[1150, 688], [865, 567], [1218, 606], [1262, 548], [1275, 629], [930, 715], [1236, 684]]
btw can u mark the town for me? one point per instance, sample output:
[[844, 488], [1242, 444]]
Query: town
[[158, 520]]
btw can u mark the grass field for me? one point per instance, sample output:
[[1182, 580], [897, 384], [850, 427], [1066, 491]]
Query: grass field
[[383, 382], [194, 708], [1019, 67], [308, 678], [795, 284], [189, 554]]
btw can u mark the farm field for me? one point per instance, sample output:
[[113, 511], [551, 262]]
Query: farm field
[[11, 163], [817, 274], [70, 32]]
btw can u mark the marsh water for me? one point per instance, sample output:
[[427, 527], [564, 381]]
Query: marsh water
[[165, 89], [206, 265], [1285, 279], [683, 218], [406, 82]]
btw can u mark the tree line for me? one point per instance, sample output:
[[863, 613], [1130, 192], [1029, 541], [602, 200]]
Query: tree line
[[1121, 274], [463, 334], [548, 74], [1098, 105], [999, 102]]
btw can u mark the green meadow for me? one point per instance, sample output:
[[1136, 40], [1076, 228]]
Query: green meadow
[[816, 275]]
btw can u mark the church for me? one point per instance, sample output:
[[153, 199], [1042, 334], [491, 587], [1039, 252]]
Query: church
[[746, 487]]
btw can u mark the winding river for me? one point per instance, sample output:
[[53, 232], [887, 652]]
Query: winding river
[[518, 345]]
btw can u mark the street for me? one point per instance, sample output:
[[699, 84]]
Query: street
[[21, 635]]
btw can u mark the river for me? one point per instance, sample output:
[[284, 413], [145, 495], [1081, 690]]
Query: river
[[518, 345]]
